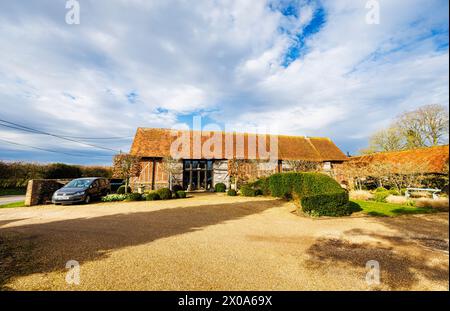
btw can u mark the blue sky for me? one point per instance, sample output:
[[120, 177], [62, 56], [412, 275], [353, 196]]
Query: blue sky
[[313, 68]]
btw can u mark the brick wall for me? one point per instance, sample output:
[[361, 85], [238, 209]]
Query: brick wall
[[40, 191]]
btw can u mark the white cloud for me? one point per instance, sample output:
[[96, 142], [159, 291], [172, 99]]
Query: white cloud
[[219, 56]]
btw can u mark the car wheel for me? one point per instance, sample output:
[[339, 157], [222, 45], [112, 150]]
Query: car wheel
[[87, 199]]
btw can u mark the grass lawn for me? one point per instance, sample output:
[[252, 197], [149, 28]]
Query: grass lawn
[[388, 209], [15, 204]]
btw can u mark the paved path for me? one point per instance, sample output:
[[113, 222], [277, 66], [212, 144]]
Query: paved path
[[217, 242], [6, 199]]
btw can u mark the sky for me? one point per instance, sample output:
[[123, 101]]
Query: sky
[[312, 68]]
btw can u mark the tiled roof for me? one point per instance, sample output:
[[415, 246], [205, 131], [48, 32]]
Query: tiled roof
[[156, 142], [432, 159]]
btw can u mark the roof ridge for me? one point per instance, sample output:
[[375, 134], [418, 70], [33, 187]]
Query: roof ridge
[[400, 151]]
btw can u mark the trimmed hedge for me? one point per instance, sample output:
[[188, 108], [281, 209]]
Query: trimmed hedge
[[164, 193], [232, 193], [133, 197], [318, 194], [248, 191], [262, 186], [329, 204], [180, 194], [152, 196], [220, 187], [121, 190]]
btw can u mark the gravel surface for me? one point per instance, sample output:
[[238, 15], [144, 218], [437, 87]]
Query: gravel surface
[[216, 242]]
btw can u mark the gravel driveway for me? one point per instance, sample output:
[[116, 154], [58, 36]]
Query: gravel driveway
[[216, 242]]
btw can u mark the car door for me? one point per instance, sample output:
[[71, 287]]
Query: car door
[[95, 190]]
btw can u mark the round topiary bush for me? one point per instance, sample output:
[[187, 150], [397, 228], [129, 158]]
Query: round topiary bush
[[232, 193], [220, 187], [152, 196], [164, 193], [248, 191], [181, 194], [121, 189]]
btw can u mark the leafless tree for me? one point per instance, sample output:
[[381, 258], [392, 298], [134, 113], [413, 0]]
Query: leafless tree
[[303, 165], [172, 167]]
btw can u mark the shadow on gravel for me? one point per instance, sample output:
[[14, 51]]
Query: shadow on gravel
[[399, 269], [46, 247]]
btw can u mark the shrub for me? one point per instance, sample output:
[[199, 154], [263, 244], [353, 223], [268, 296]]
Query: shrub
[[319, 194], [362, 195], [231, 192], [380, 189], [121, 189], [177, 188], [133, 197], [381, 196], [439, 204], [394, 191], [114, 197], [181, 194], [328, 204], [164, 193], [284, 185], [248, 191], [262, 185], [152, 196], [220, 187]]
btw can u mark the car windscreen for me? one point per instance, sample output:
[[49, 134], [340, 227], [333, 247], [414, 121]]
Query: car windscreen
[[79, 183]]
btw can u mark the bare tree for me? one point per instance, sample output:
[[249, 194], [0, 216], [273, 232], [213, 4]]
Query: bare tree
[[389, 139], [425, 126], [172, 167], [126, 166]]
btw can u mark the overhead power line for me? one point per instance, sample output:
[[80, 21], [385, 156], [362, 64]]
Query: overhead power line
[[52, 150], [32, 130]]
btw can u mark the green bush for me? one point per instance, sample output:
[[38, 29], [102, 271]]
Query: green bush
[[181, 194], [121, 189], [285, 185], [394, 191], [114, 197], [177, 188], [164, 193], [380, 196], [262, 185], [328, 204], [231, 192], [248, 191], [319, 194], [152, 196], [380, 189], [220, 187], [133, 197]]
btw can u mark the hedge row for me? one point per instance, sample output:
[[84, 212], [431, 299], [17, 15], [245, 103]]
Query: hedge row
[[17, 174], [318, 194]]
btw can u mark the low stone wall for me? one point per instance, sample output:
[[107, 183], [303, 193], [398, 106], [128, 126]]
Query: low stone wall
[[40, 191]]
